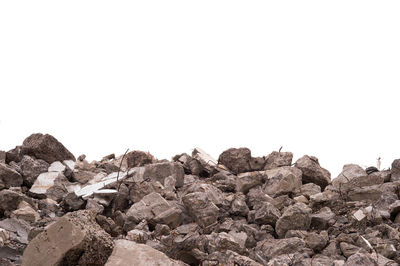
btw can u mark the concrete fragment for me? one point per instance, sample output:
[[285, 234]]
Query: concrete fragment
[[359, 215], [296, 217], [127, 253], [75, 239], [278, 159], [9, 177], [313, 172]]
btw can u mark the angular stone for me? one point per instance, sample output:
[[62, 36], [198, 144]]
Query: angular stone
[[139, 158], [9, 177], [267, 214], [71, 202], [127, 253], [278, 159], [50, 184], [9, 200], [323, 219], [349, 249], [158, 172], [46, 147], [309, 189], [271, 248], [236, 160], [349, 172], [282, 180], [395, 171], [296, 217], [370, 193], [204, 211], [2, 157], [75, 239], [246, 181], [239, 206], [25, 212], [313, 172], [18, 229], [31, 169]]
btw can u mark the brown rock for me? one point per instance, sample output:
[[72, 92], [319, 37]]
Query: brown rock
[[127, 253], [139, 158], [278, 159], [31, 169], [46, 147], [236, 160], [282, 180], [313, 172], [395, 171], [9, 177], [296, 217], [75, 239]]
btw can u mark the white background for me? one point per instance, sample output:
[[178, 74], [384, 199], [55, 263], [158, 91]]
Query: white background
[[316, 77]]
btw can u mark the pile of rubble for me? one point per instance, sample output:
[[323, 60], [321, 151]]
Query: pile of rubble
[[193, 210]]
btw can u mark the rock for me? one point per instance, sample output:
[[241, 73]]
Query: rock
[[371, 169], [139, 158], [246, 181], [2, 157], [349, 172], [236, 160], [296, 217], [158, 172], [370, 193], [395, 171], [82, 176], [9, 177], [224, 181], [46, 147], [315, 241], [349, 249], [282, 180], [9, 200], [313, 172], [360, 259], [17, 229], [128, 253], [201, 208], [4, 237], [271, 248], [278, 159], [267, 214], [71, 202], [25, 212], [50, 184], [75, 239], [208, 163], [14, 155], [239, 206], [31, 169], [309, 189], [154, 207], [230, 258]]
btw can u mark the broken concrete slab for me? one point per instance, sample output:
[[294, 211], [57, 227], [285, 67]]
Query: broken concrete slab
[[128, 253], [75, 239]]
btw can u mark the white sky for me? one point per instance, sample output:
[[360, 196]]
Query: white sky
[[316, 77]]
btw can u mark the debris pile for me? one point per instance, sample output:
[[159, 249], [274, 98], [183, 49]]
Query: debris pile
[[193, 210]]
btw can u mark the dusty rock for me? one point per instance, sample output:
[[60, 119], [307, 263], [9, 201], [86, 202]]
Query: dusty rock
[[139, 158], [31, 169], [323, 219], [395, 171], [313, 172], [349, 172], [50, 184], [201, 208], [46, 147], [25, 212], [9, 200], [267, 214], [246, 181], [270, 248], [282, 180], [75, 239], [309, 189], [296, 217], [237, 160], [278, 159], [128, 253], [2, 157], [9, 177]]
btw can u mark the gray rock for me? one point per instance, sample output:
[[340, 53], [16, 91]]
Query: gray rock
[[9, 177], [236, 160], [46, 147], [282, 180], [295, 217], [312, 171], [278, 159], [78, 239]]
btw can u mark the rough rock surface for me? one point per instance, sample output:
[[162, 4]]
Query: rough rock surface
[[75, 239], [193, 210], [46, 147]]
